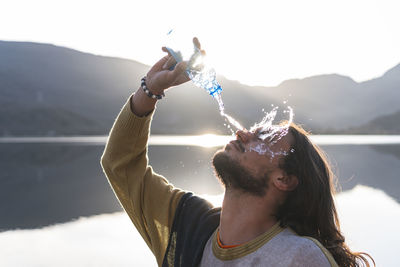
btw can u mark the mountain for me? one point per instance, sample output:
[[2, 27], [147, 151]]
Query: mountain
[[337, 102], [46, 89], [50, 90], [387, 124]]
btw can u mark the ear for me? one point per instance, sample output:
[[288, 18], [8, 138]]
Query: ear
[[286, 182]]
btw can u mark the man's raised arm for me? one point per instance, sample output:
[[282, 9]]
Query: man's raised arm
[[148, 198]]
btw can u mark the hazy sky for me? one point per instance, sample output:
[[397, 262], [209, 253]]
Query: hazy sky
[[255, 42]]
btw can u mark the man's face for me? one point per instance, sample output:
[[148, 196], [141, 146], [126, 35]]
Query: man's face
[[247, 162]]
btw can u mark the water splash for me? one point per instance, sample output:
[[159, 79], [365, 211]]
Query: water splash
[[263, 148], [267, 131], [271, 133], [228, 118], [205, 77]]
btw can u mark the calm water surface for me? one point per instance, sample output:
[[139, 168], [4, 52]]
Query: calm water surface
[[45, 181], [52, 181]]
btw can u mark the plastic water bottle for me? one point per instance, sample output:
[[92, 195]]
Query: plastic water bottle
[[206, 79], [200, 74]]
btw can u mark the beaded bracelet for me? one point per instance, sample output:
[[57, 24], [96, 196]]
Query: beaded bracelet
[[147, 91]]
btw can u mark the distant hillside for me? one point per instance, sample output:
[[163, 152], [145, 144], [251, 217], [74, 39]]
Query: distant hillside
[[50, 90], [337, 102], [46, 89], [387, 124]]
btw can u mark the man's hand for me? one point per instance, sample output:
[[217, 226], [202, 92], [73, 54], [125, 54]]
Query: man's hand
[[158, 79]]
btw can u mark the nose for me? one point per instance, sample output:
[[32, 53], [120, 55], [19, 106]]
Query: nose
[[244, 136]]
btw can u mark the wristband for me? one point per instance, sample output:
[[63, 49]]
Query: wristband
[[147, 91]]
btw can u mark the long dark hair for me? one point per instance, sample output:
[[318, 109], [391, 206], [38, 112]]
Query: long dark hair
[[310, 209]]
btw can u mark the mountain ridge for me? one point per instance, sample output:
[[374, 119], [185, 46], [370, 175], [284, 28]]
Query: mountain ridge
[[91, 88]]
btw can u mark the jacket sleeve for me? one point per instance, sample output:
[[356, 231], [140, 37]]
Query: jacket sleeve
[[148, 199]]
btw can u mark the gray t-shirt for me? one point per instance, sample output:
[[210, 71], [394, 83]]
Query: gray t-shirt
[[278, 247]]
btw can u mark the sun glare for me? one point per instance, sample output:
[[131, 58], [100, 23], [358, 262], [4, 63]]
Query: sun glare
[[211, 140], [205, 140]]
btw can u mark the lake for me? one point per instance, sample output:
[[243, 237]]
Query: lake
[[54, 181]]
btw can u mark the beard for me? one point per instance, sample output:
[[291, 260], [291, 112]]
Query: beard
[[234, 176]]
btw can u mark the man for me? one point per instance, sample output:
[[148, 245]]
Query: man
[[277, 210]]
